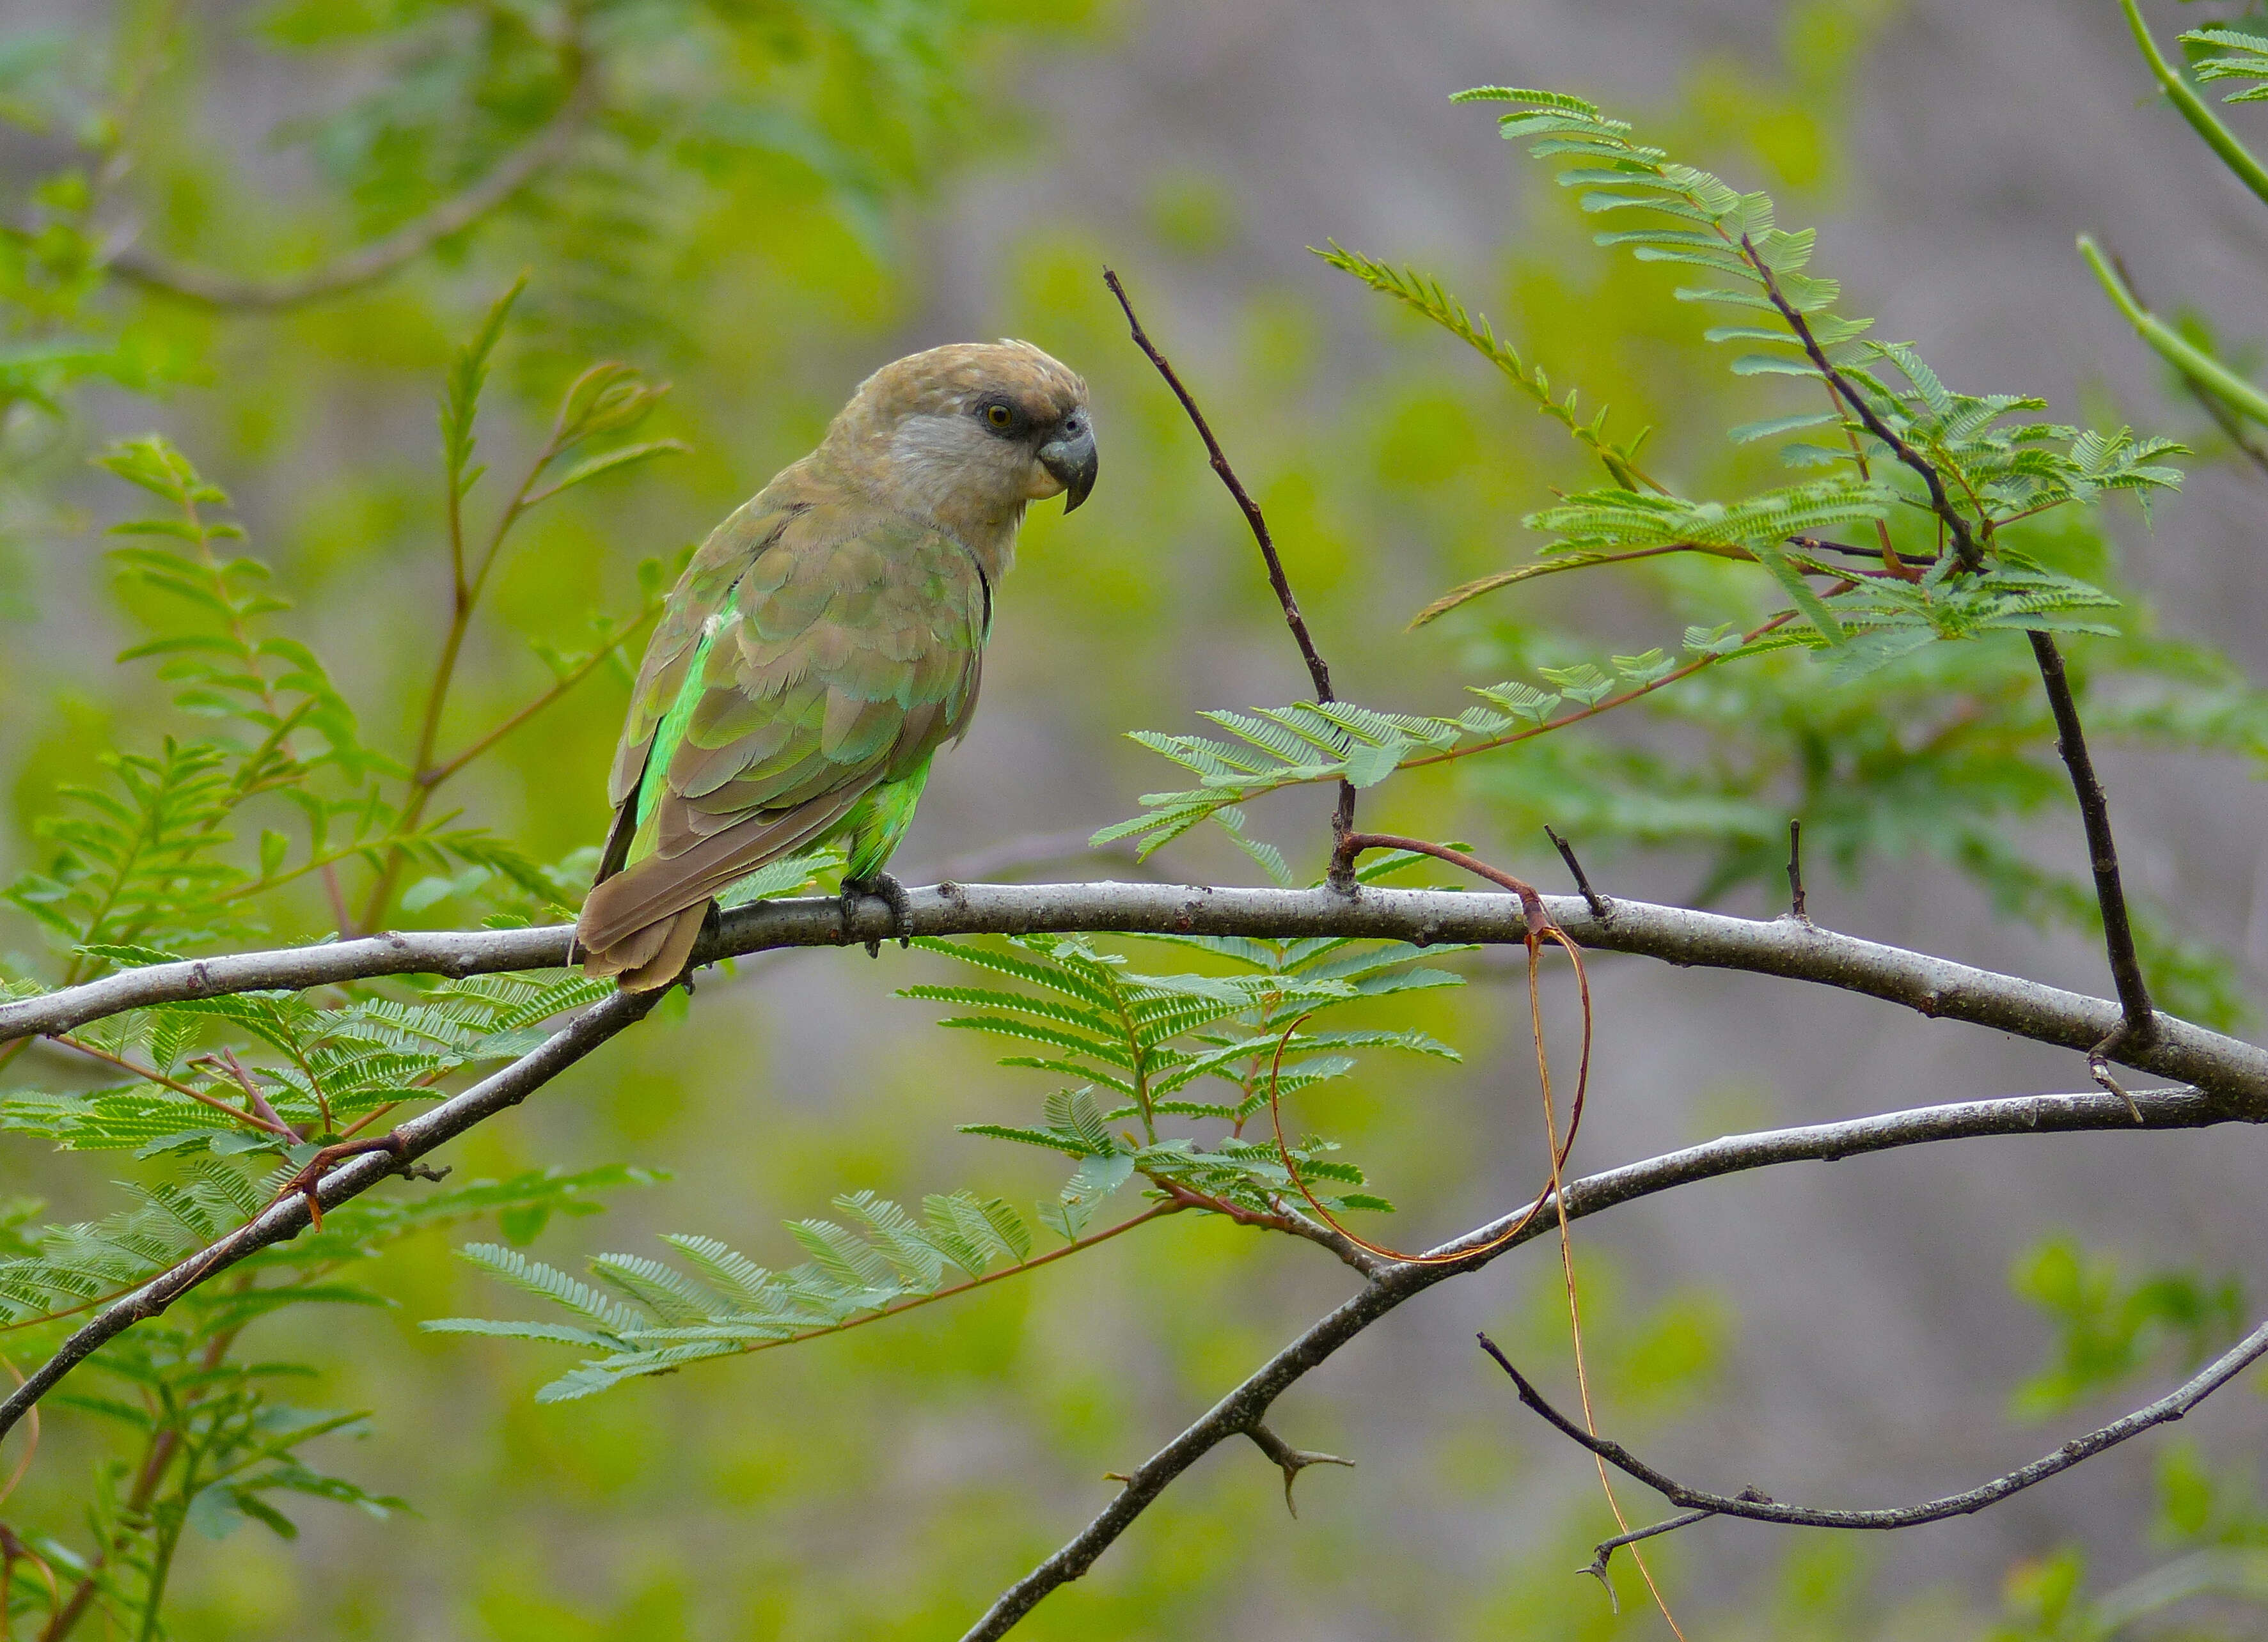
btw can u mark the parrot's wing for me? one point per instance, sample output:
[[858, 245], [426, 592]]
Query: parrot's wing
[[842, 654]]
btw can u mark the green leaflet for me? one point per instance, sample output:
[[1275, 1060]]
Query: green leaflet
[[1278, 747]]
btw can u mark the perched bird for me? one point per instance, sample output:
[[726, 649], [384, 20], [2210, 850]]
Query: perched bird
[[824, 641]]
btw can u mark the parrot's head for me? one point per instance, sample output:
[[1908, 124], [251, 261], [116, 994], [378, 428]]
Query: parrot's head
[[971, 433]]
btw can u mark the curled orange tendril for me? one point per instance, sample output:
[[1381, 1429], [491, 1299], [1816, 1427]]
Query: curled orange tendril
[[1540, 929], [1559, 1151]]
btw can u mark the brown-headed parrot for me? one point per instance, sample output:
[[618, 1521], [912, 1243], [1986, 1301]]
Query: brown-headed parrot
[[824, 641]]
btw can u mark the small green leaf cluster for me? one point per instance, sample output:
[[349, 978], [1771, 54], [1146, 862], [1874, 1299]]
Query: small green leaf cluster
[[2000, 473], [212, 1443], [1424, 295], [261, 810], [1142, 1048], [1336, 741], [2221, 53], [1145, 1047], [648, 1317], [323, 1069]]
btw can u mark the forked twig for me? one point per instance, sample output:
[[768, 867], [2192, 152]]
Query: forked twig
[[1294, 1461]]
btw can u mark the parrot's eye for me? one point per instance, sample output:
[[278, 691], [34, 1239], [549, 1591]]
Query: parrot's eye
[[999, 416]]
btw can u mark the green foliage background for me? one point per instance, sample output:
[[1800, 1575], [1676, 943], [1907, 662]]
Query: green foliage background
[[757, 228]]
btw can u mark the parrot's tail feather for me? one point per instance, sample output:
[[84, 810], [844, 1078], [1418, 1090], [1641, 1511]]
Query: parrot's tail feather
[[667, 962], [633, 950], [651, 912]]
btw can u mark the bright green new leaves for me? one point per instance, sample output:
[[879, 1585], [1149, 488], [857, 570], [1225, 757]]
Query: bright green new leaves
[[2231, 53], [153, 858], [322, 1066], [1610, 521], [69, 1266], [1144, 1047], [1995, 472], [230, 1432]]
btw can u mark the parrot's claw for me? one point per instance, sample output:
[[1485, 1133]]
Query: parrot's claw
[[891, 894], [302, 1185]]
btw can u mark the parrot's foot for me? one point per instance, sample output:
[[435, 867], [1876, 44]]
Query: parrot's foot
[[303, 1185], [891, 894]]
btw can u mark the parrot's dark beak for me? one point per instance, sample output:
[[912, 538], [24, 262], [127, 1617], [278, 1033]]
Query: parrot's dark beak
[[1069, 457]]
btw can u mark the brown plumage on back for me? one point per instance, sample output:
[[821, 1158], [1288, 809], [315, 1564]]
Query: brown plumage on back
[[824, 641]]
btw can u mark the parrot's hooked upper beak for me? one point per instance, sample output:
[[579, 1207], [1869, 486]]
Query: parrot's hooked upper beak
[[1069, 456]]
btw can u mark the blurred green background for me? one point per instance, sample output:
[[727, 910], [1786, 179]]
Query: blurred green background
[[777, 198]]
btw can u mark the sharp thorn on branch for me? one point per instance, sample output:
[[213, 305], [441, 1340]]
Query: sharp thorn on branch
[[2098, 1063], [1294, 1461]]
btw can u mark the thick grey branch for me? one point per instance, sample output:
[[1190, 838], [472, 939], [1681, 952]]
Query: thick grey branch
[[1245, 1407], [1783, 947], [1762, 1508], [381, 257], [288, 1217]]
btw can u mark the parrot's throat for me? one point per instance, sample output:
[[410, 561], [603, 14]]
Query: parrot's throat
[[947, 472]]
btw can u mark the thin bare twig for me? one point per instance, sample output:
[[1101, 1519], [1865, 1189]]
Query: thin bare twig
[[1343, 818], [1795, 871], [2139, 1020], [1598, 903], [560, 686], [1597, 1565], [1759, 1508], [209, 288]]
